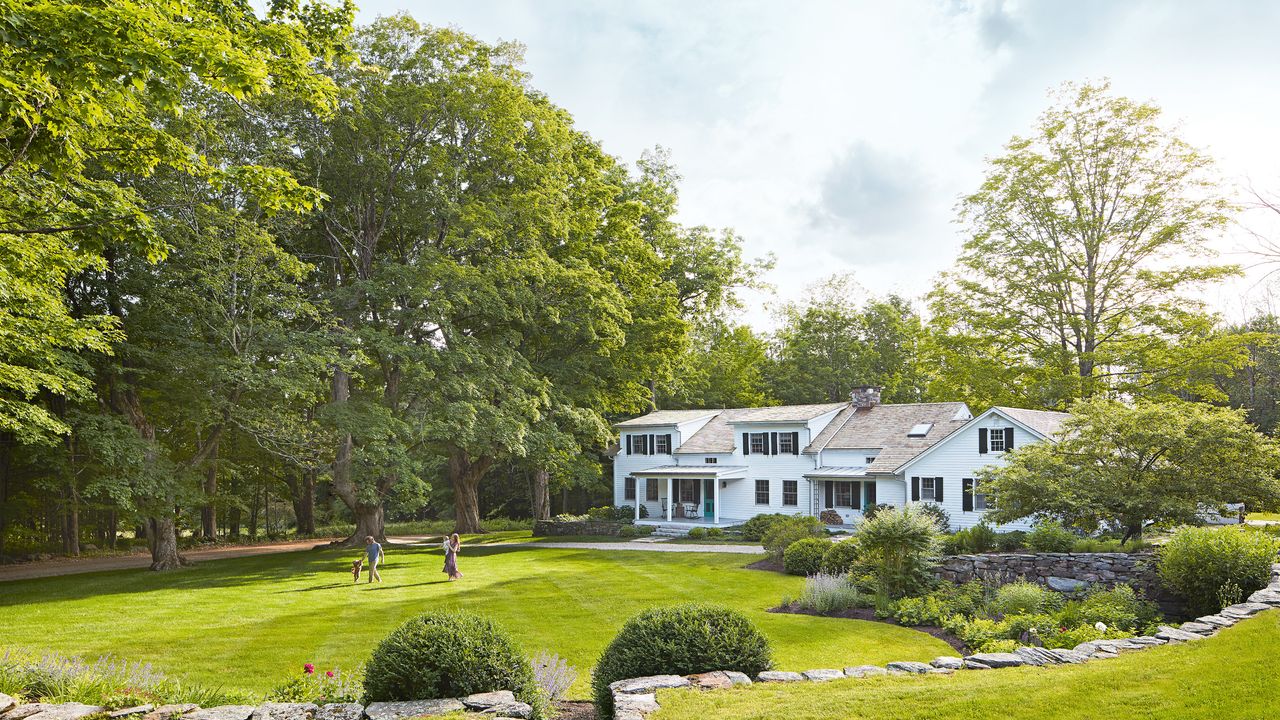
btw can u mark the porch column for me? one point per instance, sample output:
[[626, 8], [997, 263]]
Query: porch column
[[670, 501], [646, 494], [715, 500]]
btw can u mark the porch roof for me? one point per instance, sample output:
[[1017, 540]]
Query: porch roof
[[830, 471], [720, 472]]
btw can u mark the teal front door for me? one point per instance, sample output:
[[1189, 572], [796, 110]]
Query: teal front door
[[708, 501]]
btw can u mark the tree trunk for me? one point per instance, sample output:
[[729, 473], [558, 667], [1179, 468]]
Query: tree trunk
[[304, 502], [162, 536], [370, 521], [370, 517], [209, 513], [112, 529], [71, 523], [465, 475], [541, 494], [6, 455]]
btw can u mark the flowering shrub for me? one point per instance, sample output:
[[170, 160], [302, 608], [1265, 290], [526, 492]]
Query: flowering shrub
[[331, 686], [55, 678], [553, 674], [826, 593]]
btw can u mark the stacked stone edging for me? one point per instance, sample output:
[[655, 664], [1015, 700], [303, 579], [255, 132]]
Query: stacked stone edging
[[501, 705], [576, 527], [1065, 572], [635, 698]]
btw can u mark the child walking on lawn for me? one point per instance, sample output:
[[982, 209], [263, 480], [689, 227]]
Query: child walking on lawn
[[374, 552]]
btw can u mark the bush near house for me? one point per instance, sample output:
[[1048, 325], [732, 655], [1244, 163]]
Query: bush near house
[[446, 655], [757, 527], [680, 640], [804, 557], [840, 557], [1050, 536], [898, 549], [1210, 566], [790, 530]]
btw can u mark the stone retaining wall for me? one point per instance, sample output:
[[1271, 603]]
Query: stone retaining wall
[[577, 527], [500, 705], [1065, 572]]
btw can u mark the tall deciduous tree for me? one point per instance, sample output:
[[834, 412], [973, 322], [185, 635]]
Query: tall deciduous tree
[[1116, 466], [1085, 240]]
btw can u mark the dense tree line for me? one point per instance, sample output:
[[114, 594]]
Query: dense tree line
[[267, 268]]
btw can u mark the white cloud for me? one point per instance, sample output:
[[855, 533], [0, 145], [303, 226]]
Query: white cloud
[[839, 135]]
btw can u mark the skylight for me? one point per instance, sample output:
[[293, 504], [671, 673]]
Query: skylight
[[920, 430]]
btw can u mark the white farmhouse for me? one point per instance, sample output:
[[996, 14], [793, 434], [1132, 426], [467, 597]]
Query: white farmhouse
[[716, 468]]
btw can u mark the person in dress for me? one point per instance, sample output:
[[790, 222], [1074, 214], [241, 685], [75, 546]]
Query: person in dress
[[373, 550], [451, 545]]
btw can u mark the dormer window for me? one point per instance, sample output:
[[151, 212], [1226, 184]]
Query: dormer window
[[920, 430], [639, 444]]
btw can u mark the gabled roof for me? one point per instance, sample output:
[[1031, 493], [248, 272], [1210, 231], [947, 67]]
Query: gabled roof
[[886, 428], [666, 417], [1044, 422], [1037, 422], [785, 413]]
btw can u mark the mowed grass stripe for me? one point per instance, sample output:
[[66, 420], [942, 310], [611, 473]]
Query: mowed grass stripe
[[248, 623]]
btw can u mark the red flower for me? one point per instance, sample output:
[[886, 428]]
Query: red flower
[[328, 673], [309, 668]]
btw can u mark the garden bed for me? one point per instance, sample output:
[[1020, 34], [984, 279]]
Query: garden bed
[[860, 613]]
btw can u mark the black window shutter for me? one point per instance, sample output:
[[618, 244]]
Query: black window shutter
[[937, 489], [967, 503], [915, 489], [629, 443], [669, 448], [795, 443], [746, 444], [773, 443], [871, 492], [831, 493], [651, 452], [982, 441], [857, 496], [1008, 439]]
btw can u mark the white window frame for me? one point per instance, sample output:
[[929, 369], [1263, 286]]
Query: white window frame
[[629, 489], [640, 448], [929, 493], [768, 492], [793, 491], [993, 435], [763, 448], [980, 502], [847, 487], [661, 445], [710, 461], [784, 444], [869, 459], [651, 490]]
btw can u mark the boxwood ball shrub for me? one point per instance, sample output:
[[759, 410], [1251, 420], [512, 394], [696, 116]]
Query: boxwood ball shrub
[[446, 655], [789, 530], [840, 557], [804, 557], [679, 640], [755, 529], [1199, 562]]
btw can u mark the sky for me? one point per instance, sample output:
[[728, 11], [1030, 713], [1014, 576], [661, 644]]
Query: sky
[[838, 136]]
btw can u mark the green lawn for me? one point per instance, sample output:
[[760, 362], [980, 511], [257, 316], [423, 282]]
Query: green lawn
[[1230, 677], [1272, 517], [247, 623]]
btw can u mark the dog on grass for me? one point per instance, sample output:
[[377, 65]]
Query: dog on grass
[[356, 567]]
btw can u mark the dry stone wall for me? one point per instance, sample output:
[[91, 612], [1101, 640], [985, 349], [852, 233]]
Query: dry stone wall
[[576, 527], [498, 705], [1064, 572]]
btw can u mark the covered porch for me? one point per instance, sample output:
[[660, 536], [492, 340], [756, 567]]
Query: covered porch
[[687, 493]]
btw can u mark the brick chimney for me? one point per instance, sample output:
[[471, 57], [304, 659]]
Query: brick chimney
[[865, 396]]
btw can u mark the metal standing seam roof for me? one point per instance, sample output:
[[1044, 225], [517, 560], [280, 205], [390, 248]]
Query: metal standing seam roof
[[694, 470], [829, 471]]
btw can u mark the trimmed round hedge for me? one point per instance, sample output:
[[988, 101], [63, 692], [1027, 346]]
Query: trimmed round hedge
[[840, 557], [804, 557], [679, 640], [447, 655]]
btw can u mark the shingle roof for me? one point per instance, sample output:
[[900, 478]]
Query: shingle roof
[[885, 427], [1045, 422], [786, 413], [714, 437], [666, 417]]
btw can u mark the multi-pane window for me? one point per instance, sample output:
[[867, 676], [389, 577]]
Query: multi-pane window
[[688, 490], [786, 443], [980, 501], [662, 444], [710, 461], [651, 490], [790, 492], [759, 443], [629, 488], [996, 440], [639, 444], [844, 494], [869, 459], [929, 488], [762, 492]]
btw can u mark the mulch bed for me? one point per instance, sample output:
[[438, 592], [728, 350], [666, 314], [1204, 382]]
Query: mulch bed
[[768, 564], [870, 614]]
